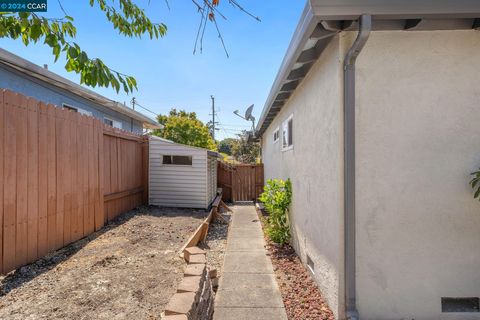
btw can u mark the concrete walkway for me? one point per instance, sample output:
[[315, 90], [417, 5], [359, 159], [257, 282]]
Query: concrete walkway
[[248, 289]]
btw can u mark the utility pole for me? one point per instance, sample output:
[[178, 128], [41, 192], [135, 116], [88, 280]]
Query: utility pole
[[133, 102], [213, 117]]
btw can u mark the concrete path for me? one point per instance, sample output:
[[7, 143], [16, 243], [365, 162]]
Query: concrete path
[[248, 289]]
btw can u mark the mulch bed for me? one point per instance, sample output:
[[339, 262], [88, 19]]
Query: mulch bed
[[301, 296]]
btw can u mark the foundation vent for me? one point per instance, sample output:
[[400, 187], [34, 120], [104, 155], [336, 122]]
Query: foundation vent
[[310, 264], [460, 304]]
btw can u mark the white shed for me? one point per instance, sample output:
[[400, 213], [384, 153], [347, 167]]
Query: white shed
[[181, 175]]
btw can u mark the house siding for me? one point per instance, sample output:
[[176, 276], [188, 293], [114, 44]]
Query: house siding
[[175, 185], [315, 168], [418, 138], [29, 86]]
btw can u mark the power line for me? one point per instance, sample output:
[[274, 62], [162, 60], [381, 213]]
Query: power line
[[135, 103]]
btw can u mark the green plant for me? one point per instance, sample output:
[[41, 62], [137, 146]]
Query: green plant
[[475, 184], [184, 127], [277, 197]]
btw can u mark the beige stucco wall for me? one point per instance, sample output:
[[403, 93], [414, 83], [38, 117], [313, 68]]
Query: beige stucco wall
[[418, 138], [316, 170]]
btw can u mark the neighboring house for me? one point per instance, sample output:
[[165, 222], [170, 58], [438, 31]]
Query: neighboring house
[[181, 175], [22, 76], [382, 212]]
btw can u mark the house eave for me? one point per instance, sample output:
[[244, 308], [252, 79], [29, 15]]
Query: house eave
[[30, 69], [322, 19]]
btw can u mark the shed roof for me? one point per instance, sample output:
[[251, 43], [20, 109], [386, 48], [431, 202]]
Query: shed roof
[[24, 66], [322, 19], [209, 152]]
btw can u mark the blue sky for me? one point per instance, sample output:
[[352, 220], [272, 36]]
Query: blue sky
[[167, 72]]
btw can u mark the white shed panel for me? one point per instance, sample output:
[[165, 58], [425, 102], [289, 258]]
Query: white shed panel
[[190, 184]]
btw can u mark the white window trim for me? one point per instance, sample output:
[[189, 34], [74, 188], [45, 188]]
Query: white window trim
[[175, 165], [290, 147], [81, 111], [115, 123], [277, 131]]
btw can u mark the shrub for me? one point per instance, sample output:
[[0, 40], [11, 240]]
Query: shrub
[[276, 197], [475, 184]]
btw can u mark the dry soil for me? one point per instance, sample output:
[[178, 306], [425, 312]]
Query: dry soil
[[127, 270]]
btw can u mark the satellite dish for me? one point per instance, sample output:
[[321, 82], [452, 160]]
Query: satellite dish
[[248, 113]]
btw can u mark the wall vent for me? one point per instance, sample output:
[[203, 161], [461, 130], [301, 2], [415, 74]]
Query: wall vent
[[460, 304], [310, 264]]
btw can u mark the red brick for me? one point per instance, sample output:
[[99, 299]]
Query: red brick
[[189, 284], [180, 303], [194, 270], [197, 259]]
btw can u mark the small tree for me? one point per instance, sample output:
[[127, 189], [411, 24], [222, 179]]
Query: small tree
[[277, 197], [184, 127], [226, 145], [245, 150]]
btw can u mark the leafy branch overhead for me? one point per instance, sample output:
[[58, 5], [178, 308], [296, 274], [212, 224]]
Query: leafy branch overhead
[[208, 10], [125, 16]]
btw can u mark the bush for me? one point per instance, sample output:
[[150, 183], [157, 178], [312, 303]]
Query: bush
[[475, 184], [276, 197]]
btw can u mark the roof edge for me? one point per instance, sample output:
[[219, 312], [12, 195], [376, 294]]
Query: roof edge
[[22, 65], [308, 22]]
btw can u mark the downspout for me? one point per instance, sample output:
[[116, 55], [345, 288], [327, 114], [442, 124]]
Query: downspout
[[365, 26]]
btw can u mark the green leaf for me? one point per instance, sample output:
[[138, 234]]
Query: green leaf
[[72, 52]]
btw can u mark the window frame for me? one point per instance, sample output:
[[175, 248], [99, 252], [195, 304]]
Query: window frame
[[286, 131], [114, 123], [277, 132], [75, 109], [176, 164]]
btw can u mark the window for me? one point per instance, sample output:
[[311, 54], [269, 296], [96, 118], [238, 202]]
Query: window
[[69, 107], [178, 160], [113, 123], [287, 134], [81, 111], [276, 135]]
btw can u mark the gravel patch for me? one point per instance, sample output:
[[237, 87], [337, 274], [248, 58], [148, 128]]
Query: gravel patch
[[300, 294], [216, 243]]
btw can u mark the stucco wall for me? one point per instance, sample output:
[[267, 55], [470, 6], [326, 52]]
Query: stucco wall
[[15, 81], [418, 138], [315, 167]]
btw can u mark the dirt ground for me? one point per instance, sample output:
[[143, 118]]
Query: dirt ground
[[127, 270]]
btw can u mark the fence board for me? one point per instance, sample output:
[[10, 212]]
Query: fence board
[[52, 178], [240, 182], [2, 128], [67, 175], [32, 174], [10, 171], [61, 145], [21, 241], [42, 181]]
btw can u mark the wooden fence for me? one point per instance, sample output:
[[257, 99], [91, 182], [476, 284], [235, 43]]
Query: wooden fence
[[62, 176], [240, 182]]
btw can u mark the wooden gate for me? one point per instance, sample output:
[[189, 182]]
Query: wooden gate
[[240, 182]]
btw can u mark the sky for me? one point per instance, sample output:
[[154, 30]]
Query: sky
[[168, 73]]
